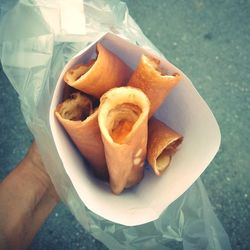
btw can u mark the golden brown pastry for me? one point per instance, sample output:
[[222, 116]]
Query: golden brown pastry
[[162, 144], [152, 82], [78, 117], [123, 121], [100, 75]]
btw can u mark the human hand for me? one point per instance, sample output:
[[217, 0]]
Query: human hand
[[27, 196]]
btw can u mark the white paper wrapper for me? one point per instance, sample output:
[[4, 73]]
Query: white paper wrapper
[[184, 110], [33, 58]]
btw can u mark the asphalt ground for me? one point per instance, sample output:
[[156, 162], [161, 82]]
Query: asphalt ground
[[209, 41]]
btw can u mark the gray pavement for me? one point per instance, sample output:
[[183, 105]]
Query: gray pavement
[[210, 41]]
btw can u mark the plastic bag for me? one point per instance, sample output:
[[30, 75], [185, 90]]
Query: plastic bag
[[33, 56]]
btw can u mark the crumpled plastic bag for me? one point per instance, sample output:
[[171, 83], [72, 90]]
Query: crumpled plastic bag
[[37, 39]]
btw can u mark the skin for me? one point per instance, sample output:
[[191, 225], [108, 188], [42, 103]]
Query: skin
[[27, 196]]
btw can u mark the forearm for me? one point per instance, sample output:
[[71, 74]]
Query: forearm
[[27, 196]]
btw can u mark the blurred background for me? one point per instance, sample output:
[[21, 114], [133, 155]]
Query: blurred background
[[209, 40]]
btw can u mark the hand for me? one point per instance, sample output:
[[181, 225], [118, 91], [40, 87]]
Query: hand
[[27, 196]]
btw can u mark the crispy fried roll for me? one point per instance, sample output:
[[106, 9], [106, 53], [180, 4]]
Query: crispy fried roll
[[100, 75], [162, 144], [152, 82], [79, 119], [123, 119]]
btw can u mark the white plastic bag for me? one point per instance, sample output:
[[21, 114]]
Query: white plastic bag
[[33, 56]]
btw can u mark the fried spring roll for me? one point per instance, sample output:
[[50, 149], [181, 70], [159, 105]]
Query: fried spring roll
[[152, 82], [162, 144], [123, 121], [77, 116], [100, 75]]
